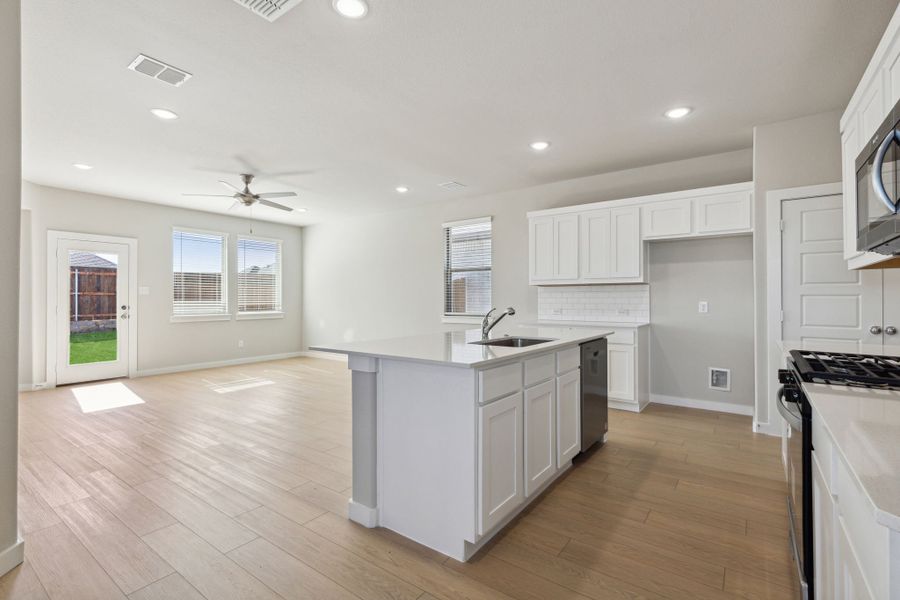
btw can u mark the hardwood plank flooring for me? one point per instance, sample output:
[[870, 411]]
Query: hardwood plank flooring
[[211, 491]]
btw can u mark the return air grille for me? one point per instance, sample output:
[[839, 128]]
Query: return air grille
[[159, 70], [269, 9]]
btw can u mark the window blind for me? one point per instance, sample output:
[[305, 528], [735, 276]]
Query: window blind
[[198, 268], [467, 267], [259, 275]]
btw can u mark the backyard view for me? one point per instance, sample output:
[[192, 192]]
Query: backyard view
[[91, 347]]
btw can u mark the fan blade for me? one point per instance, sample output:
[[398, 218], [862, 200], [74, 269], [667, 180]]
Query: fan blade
[[211, 195], [275, 205], [236, 202], [235, 188], [278, 195]]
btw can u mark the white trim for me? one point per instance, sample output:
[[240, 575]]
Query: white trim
[[53, 239], [461, 319], [198, 318], [767, 428], [624, 405], [33, 387], [12, 557], [362, 514], [217, 363], [723, 407], [474, 221], [774, 200], [263, 314], [325, 355]]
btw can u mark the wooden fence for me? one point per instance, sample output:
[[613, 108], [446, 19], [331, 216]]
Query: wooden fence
[[92, 295]]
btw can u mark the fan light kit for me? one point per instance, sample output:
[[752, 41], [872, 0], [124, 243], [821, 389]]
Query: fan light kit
[[248, 198], [164, 114], [540, 146], [402, 189], [82, 166], [679, 112], [352, 9]]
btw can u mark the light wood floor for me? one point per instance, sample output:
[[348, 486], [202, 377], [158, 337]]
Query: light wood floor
[[232, 484]]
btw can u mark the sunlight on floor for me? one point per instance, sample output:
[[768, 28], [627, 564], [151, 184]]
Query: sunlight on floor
[[237, 385], [93, 398]]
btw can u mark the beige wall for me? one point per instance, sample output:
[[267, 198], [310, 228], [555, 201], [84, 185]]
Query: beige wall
[[10, 174], [787, 154], [685, 343], [161, 344]]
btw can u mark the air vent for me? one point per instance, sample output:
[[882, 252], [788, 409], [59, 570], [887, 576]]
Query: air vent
[[720, 379], [159, 70], [452, 185], [269, 10]]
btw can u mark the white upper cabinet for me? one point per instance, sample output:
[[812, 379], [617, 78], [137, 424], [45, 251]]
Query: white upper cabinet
[[566, 246], [625, 243], [595, 254], [553, 249], [726, 213], [672, 218], [542, 253]]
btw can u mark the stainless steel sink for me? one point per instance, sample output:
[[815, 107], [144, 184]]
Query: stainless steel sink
[[513, 342]]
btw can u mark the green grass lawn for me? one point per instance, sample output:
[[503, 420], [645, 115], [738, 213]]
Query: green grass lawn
[[91, 347]]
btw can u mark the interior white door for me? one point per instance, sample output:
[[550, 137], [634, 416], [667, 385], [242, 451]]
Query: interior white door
[[822, 300], [891, 303], [92, 310]]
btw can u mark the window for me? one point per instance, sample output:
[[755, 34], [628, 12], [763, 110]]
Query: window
[[467, 267], [259, 275], [198, 268]]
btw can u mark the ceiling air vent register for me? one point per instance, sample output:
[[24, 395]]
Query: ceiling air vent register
[[159, 70], [269, 10]]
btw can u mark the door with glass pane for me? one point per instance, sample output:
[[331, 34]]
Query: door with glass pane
[[93, 308]]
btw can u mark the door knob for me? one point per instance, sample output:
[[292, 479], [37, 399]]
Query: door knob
[[875, 330], [890, 330]]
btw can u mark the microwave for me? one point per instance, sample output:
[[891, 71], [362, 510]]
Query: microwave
[[878, 189]]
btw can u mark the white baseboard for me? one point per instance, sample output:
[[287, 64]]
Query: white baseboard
[[767, 428], [362, 514], [12, 557], [217, 363], [623, 405], [33, 387], [325, 355], [725, 407]]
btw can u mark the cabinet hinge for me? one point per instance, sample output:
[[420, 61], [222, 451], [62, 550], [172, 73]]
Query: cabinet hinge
[[781, 225]]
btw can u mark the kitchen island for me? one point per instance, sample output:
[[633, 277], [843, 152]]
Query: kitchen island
[[452, 438]]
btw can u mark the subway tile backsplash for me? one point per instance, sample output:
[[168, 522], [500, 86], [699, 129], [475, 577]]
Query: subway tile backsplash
[[625, 303]]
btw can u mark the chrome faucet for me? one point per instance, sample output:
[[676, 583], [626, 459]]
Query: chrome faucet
[[487, 324]]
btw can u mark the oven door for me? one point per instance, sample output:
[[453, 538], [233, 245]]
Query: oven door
[[799, 500], [877, 189]]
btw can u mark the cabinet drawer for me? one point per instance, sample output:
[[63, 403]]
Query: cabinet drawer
[[568, 359], [538, 369], [499, 381], [621, 336]]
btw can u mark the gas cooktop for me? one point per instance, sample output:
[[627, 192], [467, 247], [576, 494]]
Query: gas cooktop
[[861, 370]]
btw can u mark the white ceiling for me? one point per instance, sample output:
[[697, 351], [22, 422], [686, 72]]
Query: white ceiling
[[418, 93]]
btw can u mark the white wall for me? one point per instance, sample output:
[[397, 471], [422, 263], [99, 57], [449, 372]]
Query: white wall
[[794, 153], [10, 174], [381, 275], [161, 344], [683, 342]]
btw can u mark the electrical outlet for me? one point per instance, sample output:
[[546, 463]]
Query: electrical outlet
[[240, 343], [703, 307], [556, 311]]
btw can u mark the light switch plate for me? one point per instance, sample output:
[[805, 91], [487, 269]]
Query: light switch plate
[[703, 307]]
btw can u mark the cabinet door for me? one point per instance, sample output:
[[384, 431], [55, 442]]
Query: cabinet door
[[595, 244], [620, 360], [540, 435], [568, 416], [823, 536], [727, 213], [542, 259], [625, 240], [890, 307], [565, 229], [500, 471], [851, 583], [666, 219], [849, 147]]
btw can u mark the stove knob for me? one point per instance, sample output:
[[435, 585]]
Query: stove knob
[[890, 330], [875, 330]]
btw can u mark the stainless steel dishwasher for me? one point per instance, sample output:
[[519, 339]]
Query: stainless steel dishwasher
[[594, 393]]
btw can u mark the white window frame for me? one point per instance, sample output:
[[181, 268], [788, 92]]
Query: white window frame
[[455, 317], [262, 314], [226, 316]]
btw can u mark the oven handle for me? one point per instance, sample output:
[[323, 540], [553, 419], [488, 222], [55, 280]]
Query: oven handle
[[795, 420], [877, 166]]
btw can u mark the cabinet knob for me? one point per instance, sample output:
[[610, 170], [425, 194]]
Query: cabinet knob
[[890, 330], [875, 329]]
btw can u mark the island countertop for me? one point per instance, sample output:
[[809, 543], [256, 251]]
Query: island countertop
[[454, 348]]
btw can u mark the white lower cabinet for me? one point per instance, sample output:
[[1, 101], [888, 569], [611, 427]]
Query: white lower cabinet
[[540, 435], [568, 416], [850, 583], [627, 367], [500, 453], [621, 372], [824, 543]]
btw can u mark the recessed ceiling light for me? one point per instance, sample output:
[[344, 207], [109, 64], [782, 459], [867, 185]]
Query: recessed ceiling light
[[82, 166], [540, 146], [352, 9], [402, 189], [679, 113], [163, 113]]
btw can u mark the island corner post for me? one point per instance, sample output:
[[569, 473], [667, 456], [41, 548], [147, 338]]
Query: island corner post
[[363, 505]]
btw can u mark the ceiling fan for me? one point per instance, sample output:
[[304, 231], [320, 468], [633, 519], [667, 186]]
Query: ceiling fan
[[248, 198]]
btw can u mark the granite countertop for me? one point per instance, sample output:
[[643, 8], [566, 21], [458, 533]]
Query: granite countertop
[[453, 348], [865, 426]]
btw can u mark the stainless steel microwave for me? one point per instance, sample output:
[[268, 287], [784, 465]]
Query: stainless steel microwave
[[878, 189]]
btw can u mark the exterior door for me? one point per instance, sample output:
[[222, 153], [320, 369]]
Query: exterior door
[[92, 310], [822, 300]]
